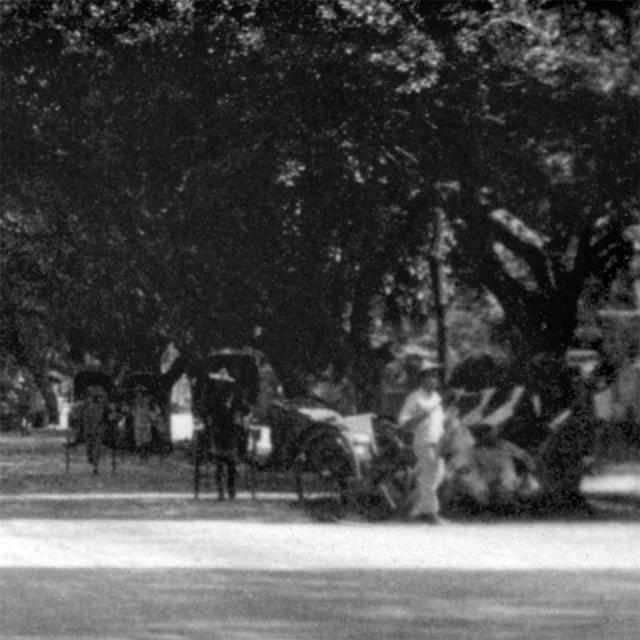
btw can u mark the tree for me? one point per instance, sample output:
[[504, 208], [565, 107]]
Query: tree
[[233, 93], [279, 164], [553, 138]]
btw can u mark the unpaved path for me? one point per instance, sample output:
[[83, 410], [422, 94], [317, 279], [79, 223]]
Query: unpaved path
[[309, 546], [137, 558], [206, 579]]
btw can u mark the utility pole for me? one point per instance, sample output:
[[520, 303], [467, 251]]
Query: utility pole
[[437, 281]]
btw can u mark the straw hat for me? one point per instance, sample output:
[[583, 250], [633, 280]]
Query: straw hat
[[222, 375], [428, 365]]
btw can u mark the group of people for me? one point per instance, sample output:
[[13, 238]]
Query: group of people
[[139, 423], [220, 403], [97, 422], [532, 449]]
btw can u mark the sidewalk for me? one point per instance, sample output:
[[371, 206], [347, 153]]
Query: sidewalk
[[55, 497]]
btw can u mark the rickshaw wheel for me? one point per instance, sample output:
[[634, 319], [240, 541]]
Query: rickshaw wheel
[[324, 465], [392, 471], [396, 489]]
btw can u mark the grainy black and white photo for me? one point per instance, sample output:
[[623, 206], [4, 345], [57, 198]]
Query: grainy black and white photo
[[319, 319]]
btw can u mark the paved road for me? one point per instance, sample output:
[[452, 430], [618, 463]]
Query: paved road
[[231, 579]]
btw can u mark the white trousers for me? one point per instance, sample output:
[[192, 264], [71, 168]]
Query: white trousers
[[430, 472]]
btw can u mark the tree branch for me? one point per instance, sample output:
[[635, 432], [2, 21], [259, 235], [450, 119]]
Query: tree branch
[[535, 257]]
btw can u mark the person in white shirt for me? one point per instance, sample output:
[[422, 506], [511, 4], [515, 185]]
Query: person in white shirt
[[423, 414]]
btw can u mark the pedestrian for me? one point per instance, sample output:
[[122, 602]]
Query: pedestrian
[[145, 416], [423, 415], [76, 425], [94, 423], [225, 431]]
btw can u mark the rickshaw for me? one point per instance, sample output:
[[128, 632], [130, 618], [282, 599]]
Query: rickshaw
[[297, 442], [361, 462], [327, 454], [253, 383], [310, 441]]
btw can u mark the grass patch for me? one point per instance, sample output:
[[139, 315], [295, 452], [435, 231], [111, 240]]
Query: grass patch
[[37, 464]]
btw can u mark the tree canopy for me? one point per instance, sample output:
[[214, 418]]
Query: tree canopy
[[192, 171]]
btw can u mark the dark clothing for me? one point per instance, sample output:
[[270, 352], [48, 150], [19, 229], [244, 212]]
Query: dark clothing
[[220, 406], [76, 425], [224, 430], [226, 471], [94, 427]]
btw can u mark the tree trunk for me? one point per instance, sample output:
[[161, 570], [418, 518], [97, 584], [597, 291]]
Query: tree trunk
[[561, 460], [541, 324], [367, 362]]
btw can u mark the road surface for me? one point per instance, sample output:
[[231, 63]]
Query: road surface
[[207, 579]]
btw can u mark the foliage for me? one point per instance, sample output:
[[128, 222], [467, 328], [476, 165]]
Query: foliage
[[197, 170], [552, 136]]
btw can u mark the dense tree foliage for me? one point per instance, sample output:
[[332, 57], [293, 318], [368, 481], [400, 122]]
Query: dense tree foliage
[[554, 136], [193, 170]]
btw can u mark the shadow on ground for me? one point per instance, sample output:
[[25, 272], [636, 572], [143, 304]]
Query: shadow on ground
[[614, 507], [336, 605], [37, 464]]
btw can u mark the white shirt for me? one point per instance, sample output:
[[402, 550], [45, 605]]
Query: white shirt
[[426, 405]]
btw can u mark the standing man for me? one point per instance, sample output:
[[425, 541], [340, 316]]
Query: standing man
[[94, 423], [423, 414], [223, 411]]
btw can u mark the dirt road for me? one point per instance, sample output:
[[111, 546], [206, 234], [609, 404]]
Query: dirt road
[[131, 556], [153, 544], [209, 579]]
